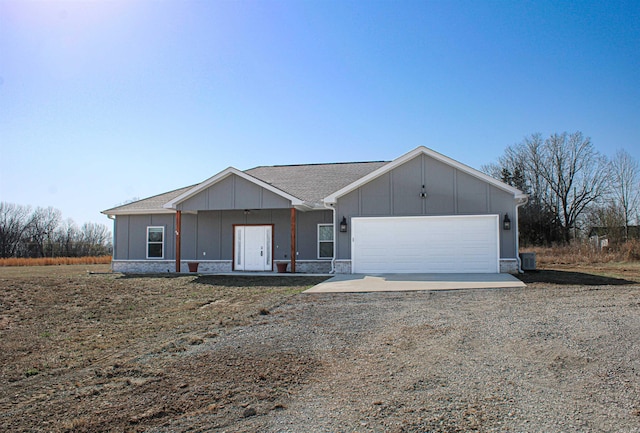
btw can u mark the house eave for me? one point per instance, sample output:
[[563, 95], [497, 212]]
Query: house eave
[[138, 212]]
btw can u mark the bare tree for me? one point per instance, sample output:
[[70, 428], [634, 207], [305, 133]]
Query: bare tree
[[66, 239], [13, 223], [563, 175], [41, 233], [625, 186], [538, 223], [95, 239], [607, 220], [41, 229], [575, 174]]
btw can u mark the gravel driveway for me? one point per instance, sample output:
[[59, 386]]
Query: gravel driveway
[[539, 359]]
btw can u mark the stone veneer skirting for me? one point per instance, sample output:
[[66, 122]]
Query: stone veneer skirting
[[342, 266], [225, 266], [310, 266], [208, 266], [508, 266], [163, 266]]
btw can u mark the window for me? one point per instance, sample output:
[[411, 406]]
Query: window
[[325, 241], [155, 242]]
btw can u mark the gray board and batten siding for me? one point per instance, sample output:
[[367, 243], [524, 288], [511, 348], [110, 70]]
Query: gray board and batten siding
[[208, 219], [130, 235], [449, 191]]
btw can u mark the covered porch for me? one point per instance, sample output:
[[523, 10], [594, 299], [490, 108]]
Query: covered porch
[[257, 240]]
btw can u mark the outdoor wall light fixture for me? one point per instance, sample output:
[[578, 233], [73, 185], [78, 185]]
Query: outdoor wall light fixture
[[506, 222], [423, 193], [343, 225]]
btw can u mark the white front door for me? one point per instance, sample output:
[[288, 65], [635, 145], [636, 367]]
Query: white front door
[[252, 248]]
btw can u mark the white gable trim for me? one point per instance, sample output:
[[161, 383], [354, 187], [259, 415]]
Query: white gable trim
[[138, 212], [333, 198], [223, 175]]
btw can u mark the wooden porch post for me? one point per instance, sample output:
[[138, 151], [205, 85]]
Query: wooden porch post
[[293, 240], [178, 230]]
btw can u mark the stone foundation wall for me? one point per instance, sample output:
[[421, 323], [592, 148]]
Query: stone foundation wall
[[313, 266], [208, 266], [307, 266], [143, 266], [508, 266], [164, 266], [343, 266]]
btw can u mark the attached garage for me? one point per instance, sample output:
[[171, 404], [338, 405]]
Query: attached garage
[[426, 244]]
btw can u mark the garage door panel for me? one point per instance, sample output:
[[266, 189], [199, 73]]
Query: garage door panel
[[425, 244]]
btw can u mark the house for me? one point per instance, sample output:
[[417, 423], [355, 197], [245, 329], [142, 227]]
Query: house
[[604, 238], [422, 212]]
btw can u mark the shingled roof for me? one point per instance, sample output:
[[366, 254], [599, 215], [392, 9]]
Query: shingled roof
[[313, 182], [308, 182], [150, 204]]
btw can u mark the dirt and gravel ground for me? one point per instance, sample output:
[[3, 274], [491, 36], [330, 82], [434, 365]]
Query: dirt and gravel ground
[[108, 353]]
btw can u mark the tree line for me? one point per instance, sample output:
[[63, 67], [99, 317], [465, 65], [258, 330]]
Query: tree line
[[41, 232], [572, 188]]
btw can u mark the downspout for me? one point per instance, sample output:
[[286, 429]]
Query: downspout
[[335, 237], [293, 240], [522, 202], [178, 240], [113, 240]]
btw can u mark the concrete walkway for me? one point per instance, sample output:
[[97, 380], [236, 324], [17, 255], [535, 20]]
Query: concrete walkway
[[346, 283]]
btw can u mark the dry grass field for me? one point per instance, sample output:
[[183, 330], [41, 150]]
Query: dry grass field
[[87, 350], [55, 261]]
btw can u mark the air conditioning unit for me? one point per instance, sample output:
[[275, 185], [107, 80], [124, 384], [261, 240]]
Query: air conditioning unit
[[528, 261]]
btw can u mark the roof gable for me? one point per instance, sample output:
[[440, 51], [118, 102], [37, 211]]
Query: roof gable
[[295, 201], [332, 198]]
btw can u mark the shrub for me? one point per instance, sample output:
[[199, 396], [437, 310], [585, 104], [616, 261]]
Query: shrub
[[631, 250], [585, 253]]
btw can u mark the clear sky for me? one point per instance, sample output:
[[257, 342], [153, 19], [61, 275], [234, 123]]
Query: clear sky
[[105, 101]]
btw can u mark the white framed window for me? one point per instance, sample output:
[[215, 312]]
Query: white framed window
[[155, 242], [325, 241]]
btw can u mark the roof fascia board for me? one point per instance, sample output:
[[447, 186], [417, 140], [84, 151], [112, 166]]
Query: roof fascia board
[[412, 154], [223, 175], [139, 212]]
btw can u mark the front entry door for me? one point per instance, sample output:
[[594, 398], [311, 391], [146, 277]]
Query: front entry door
[[253, 248]]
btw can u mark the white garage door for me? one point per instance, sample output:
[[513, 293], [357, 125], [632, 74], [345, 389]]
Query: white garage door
[[435, 244]]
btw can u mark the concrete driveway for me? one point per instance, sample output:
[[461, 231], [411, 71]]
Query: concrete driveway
[[346, 283]]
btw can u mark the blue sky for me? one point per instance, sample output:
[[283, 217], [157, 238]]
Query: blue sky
[[105, 101]]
